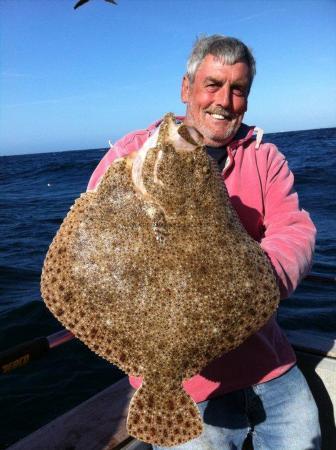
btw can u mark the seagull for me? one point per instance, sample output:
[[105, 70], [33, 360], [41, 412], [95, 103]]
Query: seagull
[[82, 2]]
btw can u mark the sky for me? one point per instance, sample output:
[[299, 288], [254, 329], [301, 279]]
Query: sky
[[75, 79]]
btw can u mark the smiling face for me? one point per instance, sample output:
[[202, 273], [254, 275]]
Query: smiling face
[[217, 99]]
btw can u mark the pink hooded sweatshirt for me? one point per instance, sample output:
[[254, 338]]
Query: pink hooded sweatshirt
[[260, 186]]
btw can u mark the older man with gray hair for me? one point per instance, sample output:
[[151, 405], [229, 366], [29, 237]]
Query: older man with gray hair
[[256, 389]]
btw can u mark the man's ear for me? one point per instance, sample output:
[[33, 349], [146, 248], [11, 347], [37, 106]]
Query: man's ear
[[185, 89]]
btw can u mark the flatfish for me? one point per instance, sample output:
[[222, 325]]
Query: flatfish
[[154, 272]]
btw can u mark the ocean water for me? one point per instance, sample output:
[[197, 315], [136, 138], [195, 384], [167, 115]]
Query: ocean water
[[36, 193]]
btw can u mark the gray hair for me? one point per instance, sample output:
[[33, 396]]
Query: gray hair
[[230, 50]]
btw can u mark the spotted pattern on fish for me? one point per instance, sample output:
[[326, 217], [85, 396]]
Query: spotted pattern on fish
[[154, 272]]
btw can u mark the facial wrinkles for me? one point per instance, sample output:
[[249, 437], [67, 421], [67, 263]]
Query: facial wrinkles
[[204, 129], [213, 106]]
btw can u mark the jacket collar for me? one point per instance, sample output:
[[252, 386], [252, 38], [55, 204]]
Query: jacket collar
[[244, 134]]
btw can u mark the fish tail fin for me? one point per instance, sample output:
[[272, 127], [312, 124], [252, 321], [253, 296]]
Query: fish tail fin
[[164, 417]]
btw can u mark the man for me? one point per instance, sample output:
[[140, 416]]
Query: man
[[255, 389]]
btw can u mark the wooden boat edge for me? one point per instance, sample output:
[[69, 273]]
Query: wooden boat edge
[[95, 425]]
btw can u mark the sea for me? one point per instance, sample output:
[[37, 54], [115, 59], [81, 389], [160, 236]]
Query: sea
[[36, 192]]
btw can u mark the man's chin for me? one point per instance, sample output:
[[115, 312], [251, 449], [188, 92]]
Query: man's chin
[[220, 140]]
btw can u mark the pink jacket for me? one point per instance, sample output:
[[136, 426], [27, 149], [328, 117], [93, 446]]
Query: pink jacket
[[260, 186]]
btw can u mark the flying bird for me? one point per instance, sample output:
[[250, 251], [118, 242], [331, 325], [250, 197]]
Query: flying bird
[[82, 2]]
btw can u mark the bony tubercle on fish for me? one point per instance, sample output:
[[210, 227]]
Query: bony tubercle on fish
[[154, 272]]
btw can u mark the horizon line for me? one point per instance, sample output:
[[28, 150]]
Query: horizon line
[[106, 148]]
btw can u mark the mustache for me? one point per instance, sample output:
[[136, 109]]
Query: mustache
[[223, 112]]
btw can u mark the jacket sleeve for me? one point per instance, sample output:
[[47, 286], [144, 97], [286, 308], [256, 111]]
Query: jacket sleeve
[[128, 144], [289, 237]]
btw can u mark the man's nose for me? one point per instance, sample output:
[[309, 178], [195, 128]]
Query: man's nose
[[223, 97]]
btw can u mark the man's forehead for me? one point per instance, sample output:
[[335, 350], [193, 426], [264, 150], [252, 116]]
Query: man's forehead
[[214, 66]]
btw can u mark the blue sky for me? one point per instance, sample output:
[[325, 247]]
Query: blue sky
[[73, 79]]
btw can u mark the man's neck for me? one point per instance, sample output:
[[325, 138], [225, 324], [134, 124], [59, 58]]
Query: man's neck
[[219, 154]]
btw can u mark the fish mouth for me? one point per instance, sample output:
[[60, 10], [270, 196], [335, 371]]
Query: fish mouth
[[182, 137], [190, 134]]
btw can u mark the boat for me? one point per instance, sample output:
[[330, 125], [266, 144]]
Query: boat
[[100, 422]]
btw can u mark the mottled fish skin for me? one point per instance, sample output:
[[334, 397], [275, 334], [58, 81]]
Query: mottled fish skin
[[154, 272]]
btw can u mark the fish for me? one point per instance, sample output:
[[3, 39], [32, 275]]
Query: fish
[[154, 272]]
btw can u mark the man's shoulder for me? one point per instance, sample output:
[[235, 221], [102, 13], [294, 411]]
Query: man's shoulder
[[135, 139]]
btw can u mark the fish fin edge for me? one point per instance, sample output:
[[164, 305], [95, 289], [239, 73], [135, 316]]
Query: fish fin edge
[[168, 419]]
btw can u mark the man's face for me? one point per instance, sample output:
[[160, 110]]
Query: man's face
[[217, 99]]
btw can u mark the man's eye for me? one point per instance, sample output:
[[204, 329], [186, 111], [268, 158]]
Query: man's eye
[[240, 92], [212, 85]]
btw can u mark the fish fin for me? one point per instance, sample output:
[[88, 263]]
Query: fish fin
[[163, 417]]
